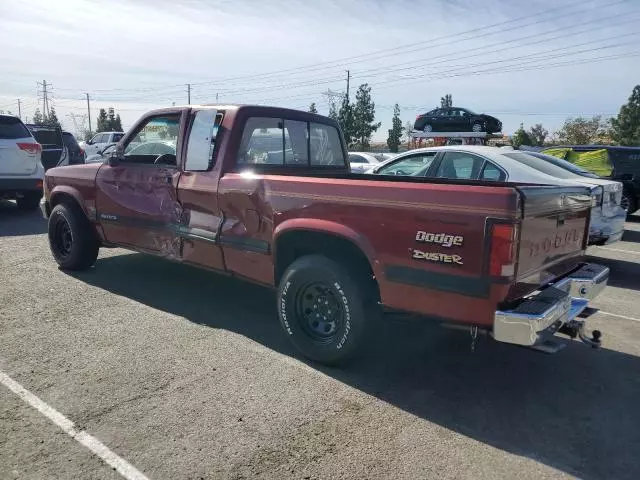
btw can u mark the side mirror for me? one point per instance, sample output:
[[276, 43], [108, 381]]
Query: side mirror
[[113, 160]]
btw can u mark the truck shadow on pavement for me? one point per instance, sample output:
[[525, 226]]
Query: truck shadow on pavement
[[624, 274], [14, 222], [631, 236], [576, 411]]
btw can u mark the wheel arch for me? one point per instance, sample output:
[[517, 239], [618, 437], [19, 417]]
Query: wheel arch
[[298, 237], [68, 195]]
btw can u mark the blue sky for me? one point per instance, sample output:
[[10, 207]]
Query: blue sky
[[522, 60]]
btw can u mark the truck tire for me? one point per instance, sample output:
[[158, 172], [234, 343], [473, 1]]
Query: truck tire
[[29, 201], [71, 238], [322, 308]]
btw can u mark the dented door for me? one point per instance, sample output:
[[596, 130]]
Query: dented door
[[137, 207]]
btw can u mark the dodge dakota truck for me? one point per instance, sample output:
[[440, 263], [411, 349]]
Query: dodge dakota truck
[[266, 194]]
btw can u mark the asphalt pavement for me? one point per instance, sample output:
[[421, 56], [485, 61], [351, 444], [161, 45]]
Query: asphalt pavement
[[185, 374]]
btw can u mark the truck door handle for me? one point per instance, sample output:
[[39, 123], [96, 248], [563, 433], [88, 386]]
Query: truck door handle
[[170, 179]]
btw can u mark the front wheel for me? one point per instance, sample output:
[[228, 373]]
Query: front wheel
[[71, 238], [322, 309]]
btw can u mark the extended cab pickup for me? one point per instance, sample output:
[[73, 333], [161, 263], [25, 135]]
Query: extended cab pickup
[[266, 194]]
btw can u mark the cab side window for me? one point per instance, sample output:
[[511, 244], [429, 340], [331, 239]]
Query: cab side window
[[460, 165], [415, 165], [492, 173]]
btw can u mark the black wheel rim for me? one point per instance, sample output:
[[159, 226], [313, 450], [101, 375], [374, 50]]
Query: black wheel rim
[[62, 237], [319, 311]]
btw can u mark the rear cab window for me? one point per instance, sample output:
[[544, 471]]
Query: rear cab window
[[281, 142], [12, 128]]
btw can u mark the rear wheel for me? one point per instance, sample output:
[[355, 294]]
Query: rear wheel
[[71, 238], [427, 128], [477, 127], [322, 308], [29, 201]]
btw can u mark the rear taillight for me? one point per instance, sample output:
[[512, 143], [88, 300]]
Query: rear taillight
[[32, 148], [503, 250]]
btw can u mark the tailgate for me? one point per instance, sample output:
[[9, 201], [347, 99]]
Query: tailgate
[[553, 232]]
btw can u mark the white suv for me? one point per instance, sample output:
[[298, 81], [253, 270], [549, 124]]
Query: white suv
[[100, 141], [21, 170]]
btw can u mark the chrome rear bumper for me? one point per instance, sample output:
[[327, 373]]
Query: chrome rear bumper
[[546, 311]]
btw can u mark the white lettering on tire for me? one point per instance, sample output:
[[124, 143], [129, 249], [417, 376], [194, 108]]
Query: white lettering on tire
[[283, 307], [347, 314]]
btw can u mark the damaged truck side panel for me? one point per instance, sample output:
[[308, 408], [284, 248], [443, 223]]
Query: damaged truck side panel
[[266, 194]]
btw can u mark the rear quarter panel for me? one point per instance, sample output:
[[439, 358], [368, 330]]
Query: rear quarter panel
[[384, 220]]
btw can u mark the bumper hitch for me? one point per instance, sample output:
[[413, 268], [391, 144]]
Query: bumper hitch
[[576, 328]]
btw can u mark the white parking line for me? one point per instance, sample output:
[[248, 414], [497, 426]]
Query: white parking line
[[620, 316], [123, 467]]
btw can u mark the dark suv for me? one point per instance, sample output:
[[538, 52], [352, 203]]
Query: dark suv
[[76, 153], [455, 119]]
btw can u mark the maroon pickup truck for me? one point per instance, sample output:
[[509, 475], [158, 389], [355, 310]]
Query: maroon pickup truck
[[266, 194]]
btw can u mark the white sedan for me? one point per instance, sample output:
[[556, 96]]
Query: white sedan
[[361, 161], [495, 164]]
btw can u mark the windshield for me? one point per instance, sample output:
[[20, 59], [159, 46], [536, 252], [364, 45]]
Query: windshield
[[541, 165], [563, 164]]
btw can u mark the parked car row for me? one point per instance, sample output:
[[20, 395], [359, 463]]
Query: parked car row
[[28, 150], [481, 163]]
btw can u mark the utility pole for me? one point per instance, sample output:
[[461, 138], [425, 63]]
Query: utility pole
[[19, 111], [216, 98], [45, 101], [348, 78], [188, 94], [88, 111]]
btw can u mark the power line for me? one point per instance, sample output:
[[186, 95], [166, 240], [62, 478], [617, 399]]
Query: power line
[[445, 57], [455, 36], [387, 52]]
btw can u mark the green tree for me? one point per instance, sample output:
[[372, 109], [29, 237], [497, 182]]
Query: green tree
[[538, 134], [37, 119], [520, 137], [52, 119], [312, 108], [364, 115], [333, 113], [346, 121], [117, 124], [626, 126], [111, 118], [395, 132], [581, 131], [103, 122], [87, 134], [446, 101]]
